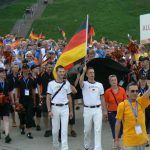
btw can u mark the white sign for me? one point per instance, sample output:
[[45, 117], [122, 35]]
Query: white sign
[[145, 28]]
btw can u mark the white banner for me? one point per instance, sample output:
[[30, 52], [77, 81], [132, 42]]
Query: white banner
[[145, 28]]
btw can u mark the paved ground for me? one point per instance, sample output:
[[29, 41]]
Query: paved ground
[[41, 143], [23, 25]]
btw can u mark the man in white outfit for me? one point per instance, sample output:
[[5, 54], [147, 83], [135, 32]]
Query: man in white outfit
[[93, 100], [58, 99]]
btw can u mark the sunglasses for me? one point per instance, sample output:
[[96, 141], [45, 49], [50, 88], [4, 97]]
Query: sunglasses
[[134, 91]]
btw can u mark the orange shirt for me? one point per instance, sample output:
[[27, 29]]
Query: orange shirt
[[110, 100]]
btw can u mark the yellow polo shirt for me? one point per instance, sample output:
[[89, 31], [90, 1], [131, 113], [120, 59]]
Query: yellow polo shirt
[[125, 114]]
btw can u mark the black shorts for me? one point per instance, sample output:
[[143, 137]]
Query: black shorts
[[5, 110]]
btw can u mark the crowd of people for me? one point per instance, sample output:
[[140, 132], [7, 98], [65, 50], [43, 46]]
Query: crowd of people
[[27, 86]]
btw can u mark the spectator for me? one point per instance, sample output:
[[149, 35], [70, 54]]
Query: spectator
[[132, 114], [113, 97]]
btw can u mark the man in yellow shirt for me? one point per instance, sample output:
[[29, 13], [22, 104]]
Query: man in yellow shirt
[[131, 113]]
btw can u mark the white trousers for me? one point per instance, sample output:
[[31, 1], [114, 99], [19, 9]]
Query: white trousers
[[92, 115], [60, 114]]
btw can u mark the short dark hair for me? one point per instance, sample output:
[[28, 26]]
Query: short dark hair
[[89, 69], [59, 67], [131, 84], [112, 76]]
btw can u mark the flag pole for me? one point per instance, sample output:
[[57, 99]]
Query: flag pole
[[87, 25]]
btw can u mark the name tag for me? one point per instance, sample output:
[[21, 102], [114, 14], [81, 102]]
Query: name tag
[[121, 82], [26, 93], [138, 129]]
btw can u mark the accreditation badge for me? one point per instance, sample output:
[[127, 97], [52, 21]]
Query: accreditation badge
[[26, 93], [121, 83], [138, 129]]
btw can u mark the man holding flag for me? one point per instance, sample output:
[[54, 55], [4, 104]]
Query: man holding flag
[[58, 91]]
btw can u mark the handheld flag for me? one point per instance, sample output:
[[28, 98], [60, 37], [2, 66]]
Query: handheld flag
[[33, 36], [91, 34], [15, 44], [62, 32], [1, 43], [41, 36], [75, 50], [91, 31]]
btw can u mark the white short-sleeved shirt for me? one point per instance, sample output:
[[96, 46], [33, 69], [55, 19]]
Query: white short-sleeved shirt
[[43, 52], [91, 93], [61, 97]]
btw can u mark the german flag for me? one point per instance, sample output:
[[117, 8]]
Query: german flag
[[62, 32], [91, 31], [33, 36], [15, 44], [75, 50], [41, 36]]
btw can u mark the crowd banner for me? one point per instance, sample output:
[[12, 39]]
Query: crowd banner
[[145, 28]]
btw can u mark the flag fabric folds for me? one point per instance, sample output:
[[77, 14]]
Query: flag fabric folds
[[91, 31], [62, 32], [33, 36], [1, 43], [15, 44], [75, 50], [41, 36], [91, 34]]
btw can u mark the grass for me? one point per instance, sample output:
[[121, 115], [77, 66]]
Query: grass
[[111, 18], [10, 11]]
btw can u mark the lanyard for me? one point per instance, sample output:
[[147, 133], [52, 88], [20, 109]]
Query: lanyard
[[142, 91], [135, 111], [26, 82]]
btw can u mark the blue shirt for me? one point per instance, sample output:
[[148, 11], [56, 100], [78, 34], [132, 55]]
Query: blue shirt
[[101, 53], [37, 53]]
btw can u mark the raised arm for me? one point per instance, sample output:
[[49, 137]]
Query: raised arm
[[82, 76], [77, 79]]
